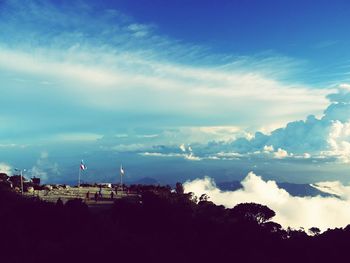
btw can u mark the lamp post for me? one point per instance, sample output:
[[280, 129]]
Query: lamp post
[[21, 175]]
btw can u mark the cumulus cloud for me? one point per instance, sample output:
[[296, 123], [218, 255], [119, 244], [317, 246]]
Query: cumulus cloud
[[188, 153], [334, 188], [6, 168], [339, 141], [296, 212], [280, 154], [268, 148], [44, 168], [342, 96], [327, 136]]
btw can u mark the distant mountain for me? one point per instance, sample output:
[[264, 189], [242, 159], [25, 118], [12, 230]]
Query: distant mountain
[[292, 189], [301, 189], [229, 186], [146, 181]]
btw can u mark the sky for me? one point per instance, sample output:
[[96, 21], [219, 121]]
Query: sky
[[175, 90]]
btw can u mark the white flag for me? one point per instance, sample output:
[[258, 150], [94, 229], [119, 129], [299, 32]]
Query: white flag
[[121, 170], [82, 166]]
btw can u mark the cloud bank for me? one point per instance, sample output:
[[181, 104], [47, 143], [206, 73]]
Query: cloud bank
[[323, 138], [319, 139], [296, 212], [328, 136], [5, 168]]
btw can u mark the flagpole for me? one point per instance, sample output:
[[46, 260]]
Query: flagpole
[[121, 178], [21, 182], [79, 177]]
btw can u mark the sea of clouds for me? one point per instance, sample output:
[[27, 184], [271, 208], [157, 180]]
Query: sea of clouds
[[291, 211]]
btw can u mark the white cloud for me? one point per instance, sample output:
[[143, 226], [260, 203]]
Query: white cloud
[[339, 141], [6, 168], [192, 157], [306, 212], [334, 188], [345, 86], [157, 154], [211, 91], [44, 168], [280, 154], [307, 155], [328, 136], [182, 147], [268, 148], [249, 136]]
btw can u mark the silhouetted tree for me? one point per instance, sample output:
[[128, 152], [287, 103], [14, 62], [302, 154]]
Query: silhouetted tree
[[314, 231], [253, 212], [272, 227], [193, 198], [179, 188], [203, 197], [4, 177]]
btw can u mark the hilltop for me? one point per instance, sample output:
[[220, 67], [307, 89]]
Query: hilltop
[[159, 224]]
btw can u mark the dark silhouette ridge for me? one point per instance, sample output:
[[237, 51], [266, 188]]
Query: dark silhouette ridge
[[158, 225]]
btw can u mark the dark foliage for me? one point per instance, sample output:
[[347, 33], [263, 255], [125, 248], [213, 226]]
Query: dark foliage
[[3, 177], [253, 212], [156, 226]]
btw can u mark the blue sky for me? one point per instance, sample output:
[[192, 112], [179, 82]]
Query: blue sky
[[174, 80], [311, 31]]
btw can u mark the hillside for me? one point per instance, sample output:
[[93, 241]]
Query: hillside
[[158, 226]]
